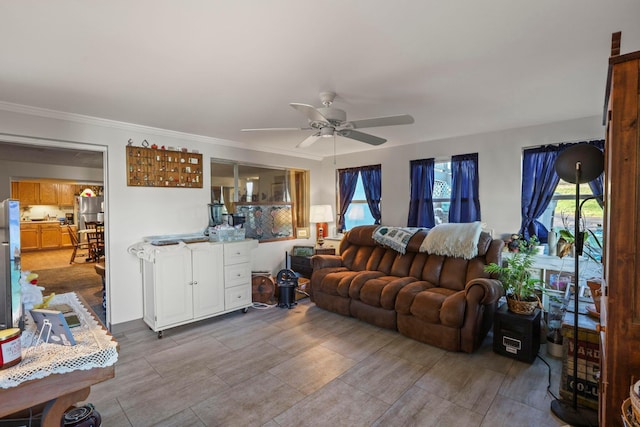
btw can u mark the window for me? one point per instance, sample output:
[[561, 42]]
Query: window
[[548, 202], [273, 202], [358, 212], [359, 194], [441, 191], [454, 194], [560, 214]]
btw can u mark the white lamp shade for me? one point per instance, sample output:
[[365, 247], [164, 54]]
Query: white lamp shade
[[321, 213]]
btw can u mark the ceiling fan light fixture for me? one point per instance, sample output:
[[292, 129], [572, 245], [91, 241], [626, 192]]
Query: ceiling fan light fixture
[[330, 122], [327, 132]]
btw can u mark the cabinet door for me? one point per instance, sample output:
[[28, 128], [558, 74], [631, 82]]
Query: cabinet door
[[48, 193], [29, 236], [65, 238], [50, 236], [208, 276], [66, 194], [15, 190], [173, 288], [29, 193]]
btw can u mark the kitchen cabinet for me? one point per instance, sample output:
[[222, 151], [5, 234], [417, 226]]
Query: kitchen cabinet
[[65, 237], [48, 235], [28, 193], [187, 283], [29, 236], [43, 193], [66, 194], [48, 193]]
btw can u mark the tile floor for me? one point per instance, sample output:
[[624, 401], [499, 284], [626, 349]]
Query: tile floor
[[309, 367]]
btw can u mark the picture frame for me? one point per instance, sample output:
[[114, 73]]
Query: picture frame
[[53, 326], [303, 251], [558, 280], [302, 232]]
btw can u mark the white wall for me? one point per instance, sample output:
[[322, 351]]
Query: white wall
[[134, 212], [499, 157]]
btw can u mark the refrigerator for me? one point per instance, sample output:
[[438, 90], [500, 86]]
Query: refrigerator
[[10, 292], [87, 210]]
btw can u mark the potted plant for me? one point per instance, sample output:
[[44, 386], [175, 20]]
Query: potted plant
[[520, 288]]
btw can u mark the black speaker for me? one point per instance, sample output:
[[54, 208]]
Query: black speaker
[[516, 335]]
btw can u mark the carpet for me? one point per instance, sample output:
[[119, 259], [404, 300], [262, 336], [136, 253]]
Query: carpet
[[79, 278]]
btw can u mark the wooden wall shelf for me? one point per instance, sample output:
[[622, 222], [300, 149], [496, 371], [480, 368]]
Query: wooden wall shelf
[[151, 167]]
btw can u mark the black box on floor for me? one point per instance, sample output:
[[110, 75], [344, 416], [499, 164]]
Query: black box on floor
[[516, 335]]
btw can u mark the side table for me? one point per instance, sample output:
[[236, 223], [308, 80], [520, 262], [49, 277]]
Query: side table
[[302, 264], [588, 348], [516, 335]]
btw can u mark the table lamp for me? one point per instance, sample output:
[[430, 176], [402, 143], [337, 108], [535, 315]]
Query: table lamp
[[321, 215], [577, 164]]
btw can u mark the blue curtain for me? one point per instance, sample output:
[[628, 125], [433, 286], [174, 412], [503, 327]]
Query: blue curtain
[[372, 183], [421, 201], [347, 181], [465, 201], [539, 181], [597, 187]]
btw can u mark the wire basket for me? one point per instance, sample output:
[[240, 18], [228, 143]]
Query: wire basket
[[522, 307]]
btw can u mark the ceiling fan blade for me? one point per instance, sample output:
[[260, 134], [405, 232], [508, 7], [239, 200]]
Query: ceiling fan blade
[[310, 111], [309, 140], [272, 129], [362, 137], [403, 119]]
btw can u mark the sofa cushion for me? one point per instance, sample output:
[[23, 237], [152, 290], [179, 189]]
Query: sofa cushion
[[382, 291], [358, 282], [439, 305], [336, 283]]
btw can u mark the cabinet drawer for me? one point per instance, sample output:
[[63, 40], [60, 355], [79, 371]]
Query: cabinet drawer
[[240, 296], [238, 274], [236, 253]]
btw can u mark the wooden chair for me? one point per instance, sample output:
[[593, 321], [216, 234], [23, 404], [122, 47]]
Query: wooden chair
[[75, 241], [95, 238]]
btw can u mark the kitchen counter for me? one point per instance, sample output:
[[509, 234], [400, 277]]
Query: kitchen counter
[[44, 222], [36, 235]]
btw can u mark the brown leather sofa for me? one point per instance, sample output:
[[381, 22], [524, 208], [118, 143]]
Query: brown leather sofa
[[444, 301]]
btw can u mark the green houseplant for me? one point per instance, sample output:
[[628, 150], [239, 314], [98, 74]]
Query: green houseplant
[[520, 288]]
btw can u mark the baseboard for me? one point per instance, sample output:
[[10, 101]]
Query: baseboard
[[130, 326]]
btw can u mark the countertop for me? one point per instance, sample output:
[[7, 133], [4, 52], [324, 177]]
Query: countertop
[[53, 221]]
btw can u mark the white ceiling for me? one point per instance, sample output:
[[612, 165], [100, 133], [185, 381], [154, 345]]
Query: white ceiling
[[214, 67]]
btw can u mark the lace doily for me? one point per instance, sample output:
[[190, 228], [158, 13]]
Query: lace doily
[[94, 349]]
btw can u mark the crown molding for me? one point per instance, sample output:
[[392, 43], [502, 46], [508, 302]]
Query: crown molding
[[132, 127]]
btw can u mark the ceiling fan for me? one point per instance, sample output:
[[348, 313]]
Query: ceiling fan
[[329, 121]]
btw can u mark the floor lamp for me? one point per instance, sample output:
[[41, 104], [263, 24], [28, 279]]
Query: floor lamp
[[577, 164]]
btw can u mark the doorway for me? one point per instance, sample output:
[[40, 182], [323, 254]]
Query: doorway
[[37, 159]]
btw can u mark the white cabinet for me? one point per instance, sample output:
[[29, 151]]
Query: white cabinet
[[186, 283], [237, 275]]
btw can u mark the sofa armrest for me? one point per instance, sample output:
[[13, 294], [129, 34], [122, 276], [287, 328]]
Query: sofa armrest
[[325, 261], [491, 290]]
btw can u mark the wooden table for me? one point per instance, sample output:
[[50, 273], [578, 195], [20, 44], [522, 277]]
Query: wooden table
[[56, 392]]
